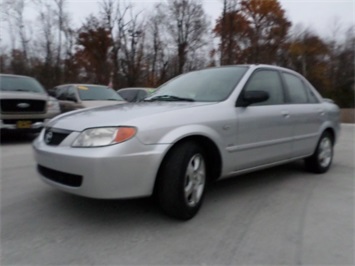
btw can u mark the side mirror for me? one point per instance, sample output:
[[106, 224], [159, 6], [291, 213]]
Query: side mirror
[[249, 97], [51, 92], [71, 98]]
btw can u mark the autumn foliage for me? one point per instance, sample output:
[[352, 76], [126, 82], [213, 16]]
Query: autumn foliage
[[252, 32], [92, 54]]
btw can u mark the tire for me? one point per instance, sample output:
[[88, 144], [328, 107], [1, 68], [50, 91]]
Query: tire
[[322, 158], [182, 181]]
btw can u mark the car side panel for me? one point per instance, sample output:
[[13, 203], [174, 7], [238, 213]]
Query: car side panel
[[264, 135], [306, 119]]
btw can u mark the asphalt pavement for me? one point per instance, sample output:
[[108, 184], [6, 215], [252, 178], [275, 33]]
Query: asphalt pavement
[[280, 216]]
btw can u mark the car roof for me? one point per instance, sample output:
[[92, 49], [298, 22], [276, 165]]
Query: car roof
[[80, 84], [255, 66], [137, 88]]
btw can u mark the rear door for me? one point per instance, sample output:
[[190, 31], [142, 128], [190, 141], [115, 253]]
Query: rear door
[[264, 132], [307, 114]]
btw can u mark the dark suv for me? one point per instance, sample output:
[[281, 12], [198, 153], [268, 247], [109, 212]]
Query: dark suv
[[24, 104]]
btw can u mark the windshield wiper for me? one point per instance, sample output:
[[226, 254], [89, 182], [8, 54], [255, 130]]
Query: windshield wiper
[[169, 98]]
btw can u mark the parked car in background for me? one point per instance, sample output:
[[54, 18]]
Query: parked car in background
[[199, 127], [135, 94], [25, 105], [77, 96]]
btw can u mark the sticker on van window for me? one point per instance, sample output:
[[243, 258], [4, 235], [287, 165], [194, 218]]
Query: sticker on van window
[[83, 88]]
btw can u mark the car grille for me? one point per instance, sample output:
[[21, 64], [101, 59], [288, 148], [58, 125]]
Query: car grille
[[60, 177], [54, 137], [22, 106]]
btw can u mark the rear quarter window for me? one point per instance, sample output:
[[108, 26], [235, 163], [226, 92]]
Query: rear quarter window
[[296, 89]]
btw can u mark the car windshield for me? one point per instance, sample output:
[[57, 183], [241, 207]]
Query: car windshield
[[208, 85], [97, 93], [20, 83]]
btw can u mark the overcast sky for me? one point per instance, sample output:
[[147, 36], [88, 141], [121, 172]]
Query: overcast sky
[[318, 15]]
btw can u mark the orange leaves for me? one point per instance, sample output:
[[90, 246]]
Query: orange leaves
[[308, 45], [308, 55], [263, 9], [252, 32], [94, 43], [232, 23]]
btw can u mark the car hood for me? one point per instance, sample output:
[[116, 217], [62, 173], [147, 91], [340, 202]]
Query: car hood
[[100, 103], [23, 95], [116, 115]]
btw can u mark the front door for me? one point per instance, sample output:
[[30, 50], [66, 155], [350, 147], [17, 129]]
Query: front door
[[264, 132]]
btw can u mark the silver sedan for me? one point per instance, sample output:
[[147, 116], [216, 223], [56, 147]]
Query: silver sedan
[[199, 127]]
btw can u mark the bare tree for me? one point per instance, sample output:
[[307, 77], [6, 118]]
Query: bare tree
[[132, 48], [46, 19], [14, 13], [186, 24], [113, 13], [125, 27], [157, 56], [334, 47], [61, 20]]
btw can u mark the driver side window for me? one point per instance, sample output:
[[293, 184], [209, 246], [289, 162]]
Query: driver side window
[[268, 81], [61, 93], [71, 94]]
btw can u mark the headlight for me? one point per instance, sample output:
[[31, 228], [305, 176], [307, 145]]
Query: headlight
[[95, 137], [53, 105]]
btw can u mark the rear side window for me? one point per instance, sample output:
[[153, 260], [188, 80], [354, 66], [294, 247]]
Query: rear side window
[[71, 94], [268, 81], [61, 93], [296, 88]]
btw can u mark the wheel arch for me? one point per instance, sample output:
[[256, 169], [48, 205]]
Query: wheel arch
[[331, 132], [213, 156], [332, 127]]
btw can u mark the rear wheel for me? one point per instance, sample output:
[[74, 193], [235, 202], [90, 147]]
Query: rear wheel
[[182, 181], [322, 158]]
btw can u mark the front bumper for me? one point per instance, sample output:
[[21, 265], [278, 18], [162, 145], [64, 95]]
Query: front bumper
[[124, 170], [25, 122], [35, 126]]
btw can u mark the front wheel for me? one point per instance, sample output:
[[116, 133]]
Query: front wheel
[[322, 158], [182, 181]]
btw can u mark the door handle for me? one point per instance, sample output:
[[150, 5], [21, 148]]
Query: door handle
[[321, 112], [285, 114]]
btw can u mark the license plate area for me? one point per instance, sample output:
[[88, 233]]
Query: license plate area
[[24, 124]]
